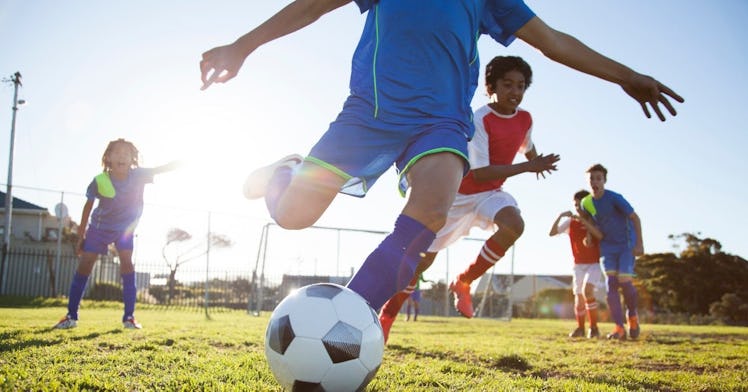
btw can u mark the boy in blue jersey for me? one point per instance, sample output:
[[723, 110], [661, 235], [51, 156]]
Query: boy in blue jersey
[[119, 189], [620, 236], [413, 76]]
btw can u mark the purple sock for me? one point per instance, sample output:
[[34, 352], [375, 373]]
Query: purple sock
[[129, 293], [390, 267], [629, 297], [614, 300], [77, 287], [277, 185]]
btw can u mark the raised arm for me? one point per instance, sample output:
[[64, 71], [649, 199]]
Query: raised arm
[[222, 63], [568, 50], [554, 228], [167, 167]]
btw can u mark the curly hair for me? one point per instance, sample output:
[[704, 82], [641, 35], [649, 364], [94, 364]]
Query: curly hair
[[500, 65], [133, 151]]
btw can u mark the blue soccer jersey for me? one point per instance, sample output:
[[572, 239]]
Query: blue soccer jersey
[[120, 211], [413, 76], [611, 215], [419, 59]]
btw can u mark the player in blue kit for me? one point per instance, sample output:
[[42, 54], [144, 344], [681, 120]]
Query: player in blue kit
[[620, 236], [413, 76], [119, 189]]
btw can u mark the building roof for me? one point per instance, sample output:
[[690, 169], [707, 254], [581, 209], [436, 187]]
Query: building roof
[[20, 204]]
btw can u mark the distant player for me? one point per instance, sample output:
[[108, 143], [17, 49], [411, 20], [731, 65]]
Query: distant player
[[620, 236], [414, 299], [119, 189], [588, 275], [503, 130]]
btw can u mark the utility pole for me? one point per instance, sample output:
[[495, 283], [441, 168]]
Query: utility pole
[[16, 80]]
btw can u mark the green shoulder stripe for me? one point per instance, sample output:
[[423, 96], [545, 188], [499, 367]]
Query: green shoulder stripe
[[105, 186], [588, 205]]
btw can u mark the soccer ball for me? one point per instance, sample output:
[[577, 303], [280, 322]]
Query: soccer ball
[[324, 337]]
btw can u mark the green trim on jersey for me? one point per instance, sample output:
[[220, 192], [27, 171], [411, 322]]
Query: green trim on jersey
[[588, 205], [105, 186], [374, 61]]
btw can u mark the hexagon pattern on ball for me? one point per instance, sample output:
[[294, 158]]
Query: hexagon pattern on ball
[[324, 337]]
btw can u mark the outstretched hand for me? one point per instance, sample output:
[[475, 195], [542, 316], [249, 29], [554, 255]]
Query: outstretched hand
[[648, 91], [220, 65], [544, 163]]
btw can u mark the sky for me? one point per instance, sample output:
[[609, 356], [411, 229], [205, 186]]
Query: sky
[[97, 71]]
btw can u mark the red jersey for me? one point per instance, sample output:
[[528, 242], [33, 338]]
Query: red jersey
[[498, 139], [582, 254]]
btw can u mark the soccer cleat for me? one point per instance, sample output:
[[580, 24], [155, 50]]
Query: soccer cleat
[[463, 300], [634, 329], [577, 333], [386, 322], [130, 323], [66, 322], [256, 183], [617, 334], [593, 333], [634, 332]]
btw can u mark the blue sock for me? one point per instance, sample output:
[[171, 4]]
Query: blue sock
[[277, 185], [614, 300], [390, 267], [77, 287], [629, 297], [129, 292]]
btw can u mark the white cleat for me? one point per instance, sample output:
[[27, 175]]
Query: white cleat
[[256, 183]]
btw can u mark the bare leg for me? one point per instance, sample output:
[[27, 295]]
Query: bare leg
[[306, 198]]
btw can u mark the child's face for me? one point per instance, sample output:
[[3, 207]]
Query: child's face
[[578, 206], [508, 92], [597, 182], [120, 158]]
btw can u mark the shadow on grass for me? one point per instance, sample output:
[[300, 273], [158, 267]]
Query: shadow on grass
[[13, 340]]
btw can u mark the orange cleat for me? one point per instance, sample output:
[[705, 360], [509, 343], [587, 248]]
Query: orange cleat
[[463, 300]]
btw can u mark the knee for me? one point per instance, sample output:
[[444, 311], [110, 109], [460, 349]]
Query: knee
[[510, 222], [589, 293], [291, 221], [433, 218]]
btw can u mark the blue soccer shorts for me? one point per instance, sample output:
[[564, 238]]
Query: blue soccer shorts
[[619, 263], [361, 148], [97, 241]]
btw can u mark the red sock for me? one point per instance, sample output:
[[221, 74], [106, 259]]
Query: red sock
[[392, 307], [489, 254]]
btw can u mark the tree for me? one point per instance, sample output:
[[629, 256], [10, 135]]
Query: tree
[[696, 280], [180, 248]]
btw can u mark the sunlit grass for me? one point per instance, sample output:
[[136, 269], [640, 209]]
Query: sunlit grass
[[182, 350]]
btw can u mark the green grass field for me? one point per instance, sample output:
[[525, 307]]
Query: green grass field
[[182, 350]]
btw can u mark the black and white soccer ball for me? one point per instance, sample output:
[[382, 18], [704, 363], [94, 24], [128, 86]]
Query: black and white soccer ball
[[324, 337]]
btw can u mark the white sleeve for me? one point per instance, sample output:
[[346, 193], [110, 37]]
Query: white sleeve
[[563, 227], [478, 146]]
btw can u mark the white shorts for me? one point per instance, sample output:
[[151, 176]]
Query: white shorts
[[587, 274], [468, 211]]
